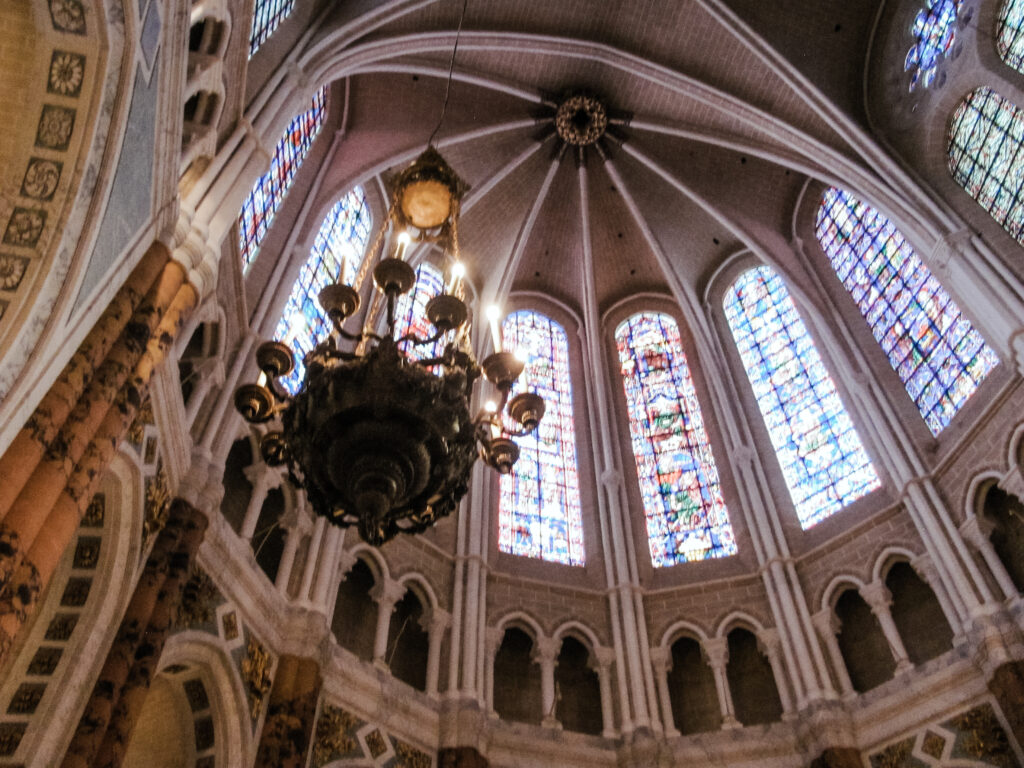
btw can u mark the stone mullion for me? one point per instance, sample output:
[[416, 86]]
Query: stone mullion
[[30, 444], [287, 732], [92, 727], [147, 655], [60, 523]]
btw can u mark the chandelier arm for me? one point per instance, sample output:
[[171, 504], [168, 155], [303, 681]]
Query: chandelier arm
[[417, 341]]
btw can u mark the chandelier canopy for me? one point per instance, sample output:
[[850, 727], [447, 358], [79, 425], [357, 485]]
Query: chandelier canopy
[[378, 438]]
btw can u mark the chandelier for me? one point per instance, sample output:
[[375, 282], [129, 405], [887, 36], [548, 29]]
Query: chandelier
[[378, 438]]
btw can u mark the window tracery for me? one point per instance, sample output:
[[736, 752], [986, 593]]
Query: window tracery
[[823, 461], [934, 31], [411, 312], [336, 251], [936, 351], [270, 189], [539, 510], [985, 158], [686, 515], [266, 18], [1010, 34]]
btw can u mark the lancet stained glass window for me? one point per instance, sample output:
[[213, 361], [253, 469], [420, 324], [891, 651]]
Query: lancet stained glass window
[[823, 461], [686, 515], [336, 252], [270, 189], [267, 17], [1010, 35], [539, 511], [411, 312], [934, 31], [985, 157], [930, 344]]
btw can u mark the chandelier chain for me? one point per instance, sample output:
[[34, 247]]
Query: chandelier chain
[[451, 69]]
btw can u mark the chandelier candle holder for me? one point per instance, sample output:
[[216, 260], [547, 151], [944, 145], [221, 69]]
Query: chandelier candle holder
[[379, 439]]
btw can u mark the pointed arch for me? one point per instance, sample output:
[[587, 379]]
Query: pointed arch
[[686, 515], [337, 250], [937, 353], [270, 189], [986, 135], [823, 460], [539, 511]]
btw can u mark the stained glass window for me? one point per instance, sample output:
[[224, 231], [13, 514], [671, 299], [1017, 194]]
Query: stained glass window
[[1010, 38], [985, 157], [411, 312], [336, 252], [686, 515], [266, 17], [539, 511], [270, 189], [930, 344], [934, 31], [823, 461]]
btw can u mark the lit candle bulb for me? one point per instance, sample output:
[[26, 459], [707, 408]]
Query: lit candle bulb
[[403, 245], [262, 380], [492, 314], [492, 408], [458, 272]]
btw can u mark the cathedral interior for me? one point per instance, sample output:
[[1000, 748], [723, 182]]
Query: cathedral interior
[[763, 262]]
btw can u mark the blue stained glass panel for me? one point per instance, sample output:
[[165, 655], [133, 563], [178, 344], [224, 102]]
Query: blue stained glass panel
[[336, 252], [686, 515], [270, 189], [921, 329], [823, 461], [266, 17], [985, 158], [1010, 34], [411, 313], [934, 31], [539, 510]]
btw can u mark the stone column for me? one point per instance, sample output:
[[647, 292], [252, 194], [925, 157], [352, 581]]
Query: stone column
[[439, 622], [120, 691], [386, 594], [716, 649], [661, 660], [838, 757], [291, 548], [604, 657], [546, 654], [976, 531], [771, 646], [829, 626], [30, 444], [147, 655], [288, 730], [1007, 685], [263, 479], [492, 641], [312, 557], [877, 596]]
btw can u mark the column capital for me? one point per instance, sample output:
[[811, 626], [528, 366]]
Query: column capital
[[440, 620], [925, 566], [611, 479], [716, 650], [604, 657], [975, 530], [826, 622], [492, 640], [387, 593], [546, 649], [769, 642], [877, 596], [1013, 483], [661, 659]]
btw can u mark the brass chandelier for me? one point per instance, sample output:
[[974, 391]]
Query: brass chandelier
[[377, 438]]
